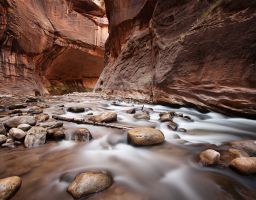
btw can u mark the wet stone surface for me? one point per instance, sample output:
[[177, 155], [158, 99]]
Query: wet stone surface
[[167, 162]]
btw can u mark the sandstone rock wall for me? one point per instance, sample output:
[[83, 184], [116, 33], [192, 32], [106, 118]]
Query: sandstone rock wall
[[42, 37], [184, 52]]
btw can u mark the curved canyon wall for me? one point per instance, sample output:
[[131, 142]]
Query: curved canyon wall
[[47, 44], [183, 52]]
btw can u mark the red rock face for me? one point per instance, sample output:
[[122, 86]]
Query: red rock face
[[183, 52], [40, 38]]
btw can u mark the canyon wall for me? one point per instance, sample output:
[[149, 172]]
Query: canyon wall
[[48, 46], [199, 53]]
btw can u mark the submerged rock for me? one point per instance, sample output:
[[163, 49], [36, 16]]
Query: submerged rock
[[24, 127], [104, 117], [142, 115], [89, 183], [172, 125], [16, 106], [145, 136], [17, 133], [230, 154], [56, 133], [79, 134], [245, 165], [248, 146], [166, 117], [3, 139], [35, 137], [14, 122], [209, 157], [76, 109], [9, 186], [131, 111]]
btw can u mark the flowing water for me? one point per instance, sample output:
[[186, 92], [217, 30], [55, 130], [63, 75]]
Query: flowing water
[[170, 171]]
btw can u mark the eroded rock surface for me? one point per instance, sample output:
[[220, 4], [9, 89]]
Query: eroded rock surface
[[194, 53], [9, 186], [51, 46]]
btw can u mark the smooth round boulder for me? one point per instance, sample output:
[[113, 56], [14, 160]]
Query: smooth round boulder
[[35, 137], [3, 139], [24, 127], [145, 136], [76, 109], [9, 186], [89, 183], [245, 165], [209, 157], [17, 133], [105, 117], [14, 122]]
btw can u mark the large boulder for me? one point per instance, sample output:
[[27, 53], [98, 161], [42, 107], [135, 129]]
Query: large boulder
[[14, 122], [89, 183], [104, 117], [17, 133], [145, 136], [245, 165], [209, 157], [9, 186], [35, 137]]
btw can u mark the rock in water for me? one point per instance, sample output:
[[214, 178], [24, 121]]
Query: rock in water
[[17, 133], [131, 111], [209, 157], [248, 146], [245, 165], [145, 136], [14, 122], [104, 117], [3, 139], [16, 106], [142, 115], [172, 125], [35, 110], [24, 127], [52, 124], [166, 117], [2, 129], [80, 134], [89, 183], [9, 186], [76, 109], [35, 137]]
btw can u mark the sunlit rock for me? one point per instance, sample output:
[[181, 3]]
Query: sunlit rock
[[9, 186], [245, 165], [145, 136], [17, 133], [104, 117], [209, 157], [35, 136], [89, 183]]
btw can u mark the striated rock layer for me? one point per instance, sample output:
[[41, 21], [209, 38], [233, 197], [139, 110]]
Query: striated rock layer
[[45, 41], [184, 52]]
